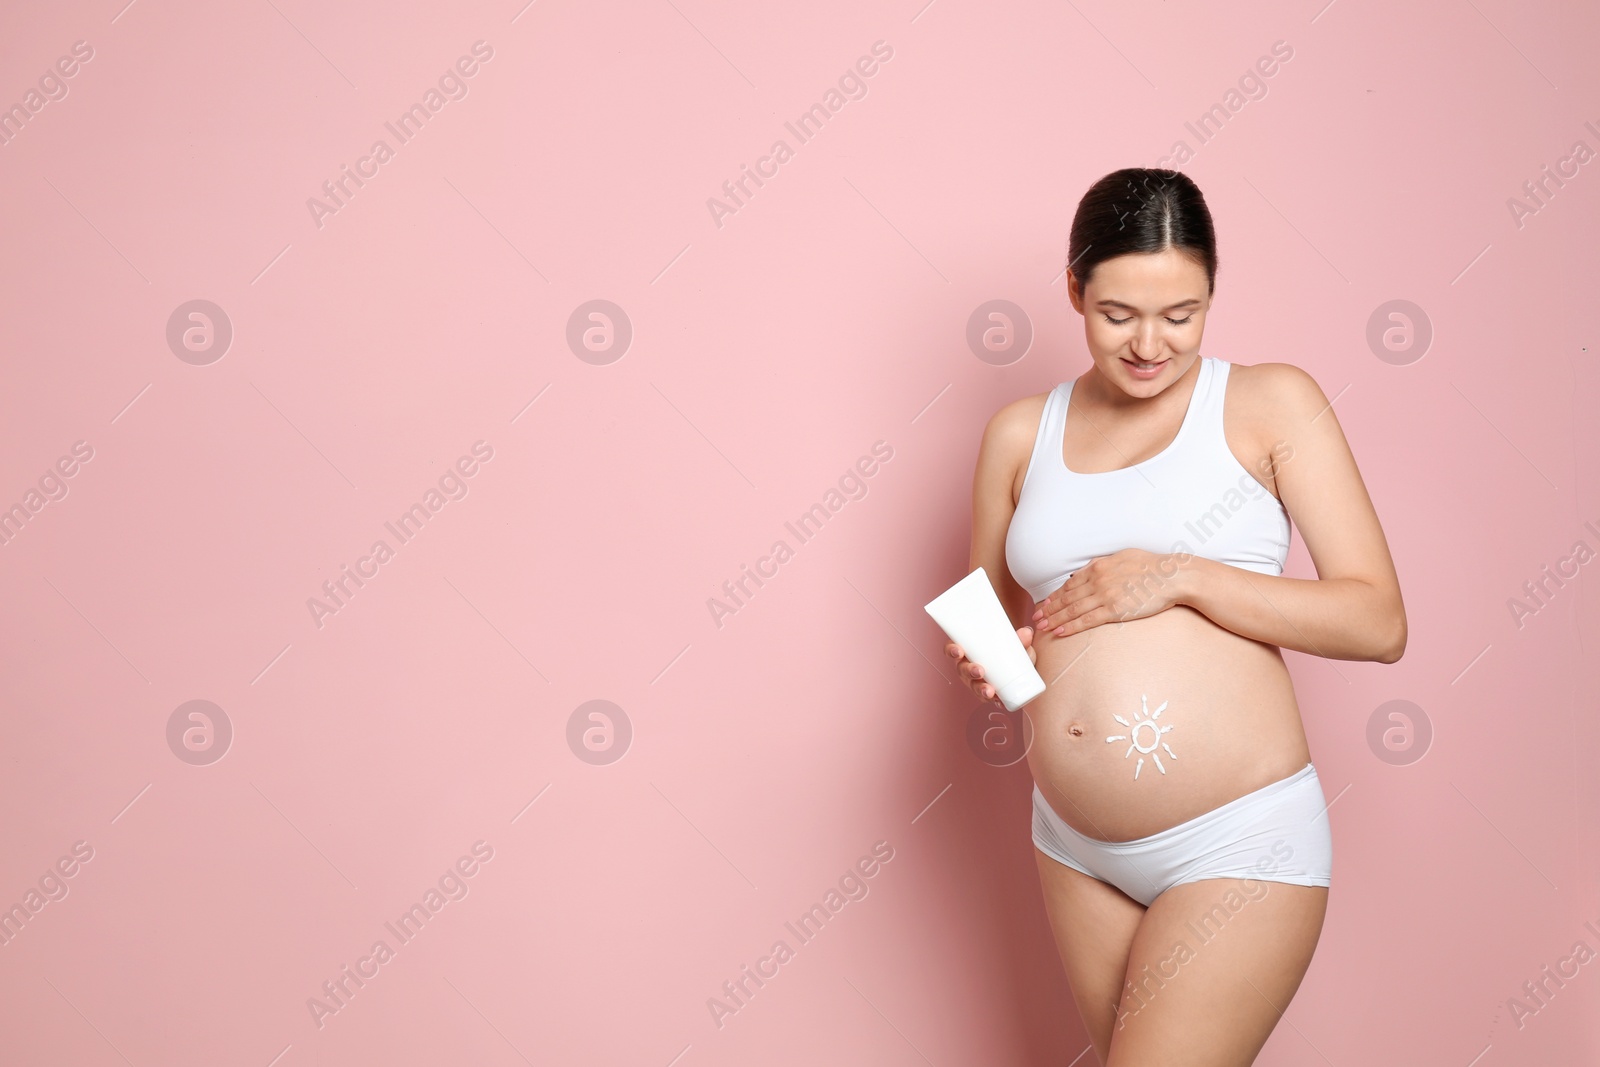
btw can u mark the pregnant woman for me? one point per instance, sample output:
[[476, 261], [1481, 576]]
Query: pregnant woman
[[1135, 524]]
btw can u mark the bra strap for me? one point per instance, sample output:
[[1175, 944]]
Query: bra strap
[[1214, 398]]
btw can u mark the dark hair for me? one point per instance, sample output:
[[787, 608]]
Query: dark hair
[[1141, 209]]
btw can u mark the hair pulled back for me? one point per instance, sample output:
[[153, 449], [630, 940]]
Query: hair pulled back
[[1141, 210]]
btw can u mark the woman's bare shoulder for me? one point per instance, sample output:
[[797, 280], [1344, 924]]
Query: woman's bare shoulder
[[1276, 394], [1008, 440], [1017, 422]]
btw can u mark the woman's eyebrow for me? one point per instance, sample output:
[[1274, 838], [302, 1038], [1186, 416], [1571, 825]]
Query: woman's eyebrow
[[1119, 304]]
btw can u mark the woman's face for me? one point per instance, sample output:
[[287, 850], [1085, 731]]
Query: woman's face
[[1159, 302]]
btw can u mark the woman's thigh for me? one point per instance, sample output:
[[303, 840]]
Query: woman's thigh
[[1094, 924], [1212, 968]]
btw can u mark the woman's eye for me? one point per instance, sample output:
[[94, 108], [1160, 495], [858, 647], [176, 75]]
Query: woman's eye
[[1119, 322]]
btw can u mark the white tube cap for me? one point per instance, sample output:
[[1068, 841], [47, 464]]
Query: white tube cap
[[1020, 690]]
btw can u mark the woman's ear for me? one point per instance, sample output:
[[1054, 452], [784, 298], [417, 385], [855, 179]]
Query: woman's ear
[[1073, 293]]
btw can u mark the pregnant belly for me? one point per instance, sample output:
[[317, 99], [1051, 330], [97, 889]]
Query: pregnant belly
[[1195, 714]]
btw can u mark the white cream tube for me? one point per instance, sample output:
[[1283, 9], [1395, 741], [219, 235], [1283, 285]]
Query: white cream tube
[[969, 612]]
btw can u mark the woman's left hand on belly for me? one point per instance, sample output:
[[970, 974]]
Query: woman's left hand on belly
[[1130, 584]]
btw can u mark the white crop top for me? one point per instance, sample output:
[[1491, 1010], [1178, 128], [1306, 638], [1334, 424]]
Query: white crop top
[[1193, 496]]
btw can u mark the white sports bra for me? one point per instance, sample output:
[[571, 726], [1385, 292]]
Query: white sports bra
[[1193, 496]]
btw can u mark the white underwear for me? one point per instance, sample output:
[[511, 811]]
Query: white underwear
[[1278, 833]]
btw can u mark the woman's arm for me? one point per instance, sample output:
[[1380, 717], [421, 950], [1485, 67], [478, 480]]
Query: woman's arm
[[1353, 609], [1336, 618], [1007, 443]]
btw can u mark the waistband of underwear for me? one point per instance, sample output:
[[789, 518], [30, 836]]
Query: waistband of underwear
[[1222, 811]]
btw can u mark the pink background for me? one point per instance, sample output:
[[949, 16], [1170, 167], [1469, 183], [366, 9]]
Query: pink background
[[768, 355]]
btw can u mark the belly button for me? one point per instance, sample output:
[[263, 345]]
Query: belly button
[[1075, 729]]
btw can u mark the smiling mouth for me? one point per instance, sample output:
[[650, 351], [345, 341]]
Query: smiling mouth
[[1142, 366]]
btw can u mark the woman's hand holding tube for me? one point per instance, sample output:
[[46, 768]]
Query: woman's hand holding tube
[[972, 673]]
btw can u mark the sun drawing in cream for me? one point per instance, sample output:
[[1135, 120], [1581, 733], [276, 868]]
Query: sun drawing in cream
[[1147, 719]]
